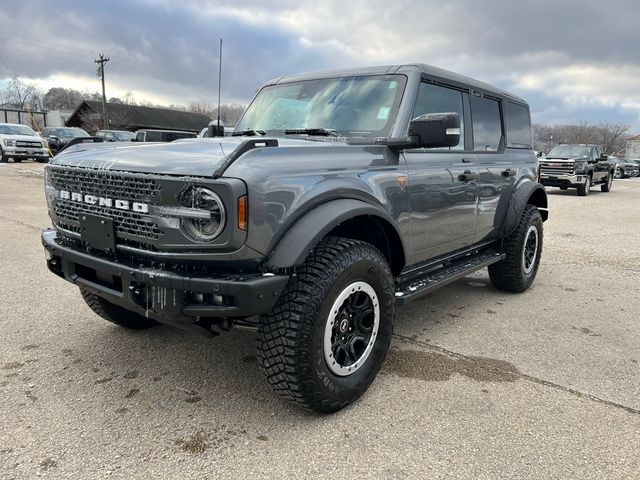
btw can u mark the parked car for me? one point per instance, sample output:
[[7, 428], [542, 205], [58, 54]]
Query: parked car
[[19, 142], [116, 135], [58, 137], [625, 168], [578, 166], [161, 135], [204, 133], [409, 178]]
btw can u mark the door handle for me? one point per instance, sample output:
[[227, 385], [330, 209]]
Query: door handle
[[467, 176], [509, 172]]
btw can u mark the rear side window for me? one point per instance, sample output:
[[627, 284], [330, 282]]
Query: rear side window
[[487, 125], [519, 120], [154, 137], [437, 99]]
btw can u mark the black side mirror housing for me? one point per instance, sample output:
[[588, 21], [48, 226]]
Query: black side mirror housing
[[604, 157], [436, 130]]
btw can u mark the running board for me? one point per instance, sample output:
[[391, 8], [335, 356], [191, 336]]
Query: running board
[[446, 274]]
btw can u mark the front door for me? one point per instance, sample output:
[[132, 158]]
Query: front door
[[442, 185]]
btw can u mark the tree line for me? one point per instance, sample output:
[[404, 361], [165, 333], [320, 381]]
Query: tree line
[[611, 136], [26, 96]]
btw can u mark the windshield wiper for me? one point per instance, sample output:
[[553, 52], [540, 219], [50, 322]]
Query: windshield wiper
[[248, 133], [326, 132]]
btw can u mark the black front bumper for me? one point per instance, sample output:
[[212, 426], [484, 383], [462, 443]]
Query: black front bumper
[[165, 296]]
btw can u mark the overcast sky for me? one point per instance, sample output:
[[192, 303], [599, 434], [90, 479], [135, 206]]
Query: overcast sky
[[572, 60]]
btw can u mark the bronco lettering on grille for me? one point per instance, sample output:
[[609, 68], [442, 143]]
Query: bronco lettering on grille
[[137, 207]]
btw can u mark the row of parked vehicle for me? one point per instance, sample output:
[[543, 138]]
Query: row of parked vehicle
[[581, 166], [20, 142]]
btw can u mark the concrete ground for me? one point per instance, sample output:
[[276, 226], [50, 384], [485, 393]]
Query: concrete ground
[[478, 384]]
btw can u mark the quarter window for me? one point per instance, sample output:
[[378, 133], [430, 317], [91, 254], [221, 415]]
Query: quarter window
[[519, 131], [437, 99], [487, 126]]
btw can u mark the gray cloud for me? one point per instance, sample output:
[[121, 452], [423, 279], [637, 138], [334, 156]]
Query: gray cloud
[[571, 59]]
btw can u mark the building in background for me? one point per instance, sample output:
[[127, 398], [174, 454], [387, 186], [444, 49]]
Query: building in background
[[88, 116], [632, 151]]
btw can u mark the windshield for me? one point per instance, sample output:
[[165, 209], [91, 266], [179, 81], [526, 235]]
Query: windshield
[[124, 136], [69, 132], [569, 151], [16, 130], [352, 106]]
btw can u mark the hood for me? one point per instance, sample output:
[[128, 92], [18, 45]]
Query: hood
[[567, 159], [26, 138], [199, 157]]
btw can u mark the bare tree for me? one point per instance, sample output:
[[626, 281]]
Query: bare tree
[[22, 95], [612, 136], [61, 98]]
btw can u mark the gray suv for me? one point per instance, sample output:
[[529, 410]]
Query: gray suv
[[343, 195]]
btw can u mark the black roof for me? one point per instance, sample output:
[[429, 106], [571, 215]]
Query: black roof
[[133, 117], [428, 70]]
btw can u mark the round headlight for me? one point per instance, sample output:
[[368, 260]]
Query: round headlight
[[203, 228]]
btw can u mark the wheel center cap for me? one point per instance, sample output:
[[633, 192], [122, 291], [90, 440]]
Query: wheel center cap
[[344, 325]]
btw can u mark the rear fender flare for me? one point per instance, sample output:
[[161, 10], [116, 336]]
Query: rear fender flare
[[511, 205]]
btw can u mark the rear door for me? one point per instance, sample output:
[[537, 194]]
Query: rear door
[[497, 170], [442, 183]]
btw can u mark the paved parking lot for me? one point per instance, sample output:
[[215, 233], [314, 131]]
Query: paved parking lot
[[478, 384]]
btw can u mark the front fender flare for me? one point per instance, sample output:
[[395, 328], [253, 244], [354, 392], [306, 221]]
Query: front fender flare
[[304, 235]]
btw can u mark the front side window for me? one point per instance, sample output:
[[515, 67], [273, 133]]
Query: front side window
[[363, 106], [437, 99], [487, 125]]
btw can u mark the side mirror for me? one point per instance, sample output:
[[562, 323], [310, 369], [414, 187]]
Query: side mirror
[[434, 130], [53, 137], [604, 157]]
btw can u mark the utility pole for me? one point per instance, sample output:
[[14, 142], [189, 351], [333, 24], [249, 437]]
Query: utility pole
[[101, 60]]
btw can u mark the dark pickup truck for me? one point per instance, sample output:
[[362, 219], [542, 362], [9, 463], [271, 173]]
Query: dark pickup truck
[[342, 195], [577, 166]]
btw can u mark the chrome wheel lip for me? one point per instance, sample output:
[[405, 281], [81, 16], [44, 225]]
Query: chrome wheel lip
[[536, 241], [332, 364]]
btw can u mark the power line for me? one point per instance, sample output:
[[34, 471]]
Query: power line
[[101, 60]]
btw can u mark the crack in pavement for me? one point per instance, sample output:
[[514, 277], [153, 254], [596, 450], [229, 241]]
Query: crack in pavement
[[524, 376], [23, 224]]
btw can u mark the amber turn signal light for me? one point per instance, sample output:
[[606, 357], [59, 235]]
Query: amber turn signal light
[[242, 212]]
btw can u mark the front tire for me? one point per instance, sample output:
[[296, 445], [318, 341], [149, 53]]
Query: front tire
[[325, 340], [523, 248], [585, 188], [116, 314], [608, 184]]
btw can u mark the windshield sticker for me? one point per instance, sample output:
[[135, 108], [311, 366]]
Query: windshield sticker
[[393, 85], [383, 113]]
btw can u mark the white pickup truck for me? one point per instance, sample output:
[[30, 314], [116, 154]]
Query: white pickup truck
[[20, 142]]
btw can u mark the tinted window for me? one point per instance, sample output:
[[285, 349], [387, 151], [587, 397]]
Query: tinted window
[[487, 127], [436, 99], [153, 136], [519, 131], [140, 137]]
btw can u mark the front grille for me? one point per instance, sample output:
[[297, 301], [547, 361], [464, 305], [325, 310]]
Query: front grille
[[24, 143], [104, 183], [125, 222], [134, 229], [556, 168]]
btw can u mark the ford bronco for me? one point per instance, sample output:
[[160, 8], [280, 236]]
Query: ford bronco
[[341, 196]]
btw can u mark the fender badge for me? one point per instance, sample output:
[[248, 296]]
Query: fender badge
[[402, 181]]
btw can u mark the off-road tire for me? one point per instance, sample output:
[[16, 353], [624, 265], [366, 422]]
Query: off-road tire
[[116, 314], [585, 188], [509, 274], [290, 339], [608, 183]]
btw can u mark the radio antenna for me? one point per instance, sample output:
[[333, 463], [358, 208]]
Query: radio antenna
[[219, 86]]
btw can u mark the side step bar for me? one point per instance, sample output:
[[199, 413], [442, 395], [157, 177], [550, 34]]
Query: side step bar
[[444, 275]]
